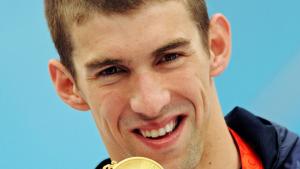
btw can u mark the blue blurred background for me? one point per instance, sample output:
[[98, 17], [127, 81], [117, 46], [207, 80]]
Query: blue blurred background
[[37, 130]]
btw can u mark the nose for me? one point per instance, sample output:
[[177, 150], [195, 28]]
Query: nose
[[149, 96]]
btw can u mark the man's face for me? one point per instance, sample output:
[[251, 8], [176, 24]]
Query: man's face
[[146, 79]]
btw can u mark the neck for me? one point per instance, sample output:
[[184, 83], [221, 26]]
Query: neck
[[219, 147]]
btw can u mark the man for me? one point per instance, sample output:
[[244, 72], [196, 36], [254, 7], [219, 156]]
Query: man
[[146, 71]]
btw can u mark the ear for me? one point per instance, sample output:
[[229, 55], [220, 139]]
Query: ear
[[65, 86], [219, 44]]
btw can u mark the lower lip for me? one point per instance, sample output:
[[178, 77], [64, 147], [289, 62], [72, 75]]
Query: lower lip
[[164, 142]]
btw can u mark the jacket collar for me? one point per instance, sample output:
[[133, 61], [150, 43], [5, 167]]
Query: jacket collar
[[259, 133]]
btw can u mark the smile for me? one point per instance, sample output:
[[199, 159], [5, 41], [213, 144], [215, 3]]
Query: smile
[[161, 131], [163, 134]]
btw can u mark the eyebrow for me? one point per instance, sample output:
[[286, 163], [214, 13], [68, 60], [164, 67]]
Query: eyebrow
[[180, 42], [101, 63], [98, 63]]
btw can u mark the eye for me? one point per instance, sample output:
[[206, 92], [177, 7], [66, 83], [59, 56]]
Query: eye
[[110, 71], [169, 58]]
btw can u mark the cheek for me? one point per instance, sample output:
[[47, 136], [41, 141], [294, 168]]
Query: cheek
[[193, 85], [107, 108]]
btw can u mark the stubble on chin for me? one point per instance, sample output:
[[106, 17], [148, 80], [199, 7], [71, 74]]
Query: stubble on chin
[[194, 155]]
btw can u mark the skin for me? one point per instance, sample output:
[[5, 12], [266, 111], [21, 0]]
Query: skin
[[144, 88]]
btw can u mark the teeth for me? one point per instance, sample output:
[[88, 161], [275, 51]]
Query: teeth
[[148, 134], [159, 132], [168, 128], [162, 132], [154, 133]]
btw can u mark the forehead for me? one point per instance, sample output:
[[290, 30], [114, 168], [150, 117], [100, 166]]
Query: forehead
[[143, 30]]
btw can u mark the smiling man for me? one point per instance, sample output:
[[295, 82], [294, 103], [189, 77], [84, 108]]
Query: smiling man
[[145, 69]]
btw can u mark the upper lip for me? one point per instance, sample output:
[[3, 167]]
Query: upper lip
[[157, 124]]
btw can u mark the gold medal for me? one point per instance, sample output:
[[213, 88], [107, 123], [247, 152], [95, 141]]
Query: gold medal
[[134, 163]]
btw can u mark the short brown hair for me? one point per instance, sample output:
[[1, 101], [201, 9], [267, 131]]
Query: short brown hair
[[61, 14]]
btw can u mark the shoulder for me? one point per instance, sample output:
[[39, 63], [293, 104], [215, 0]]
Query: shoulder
[[289, 148], [277, 146]]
